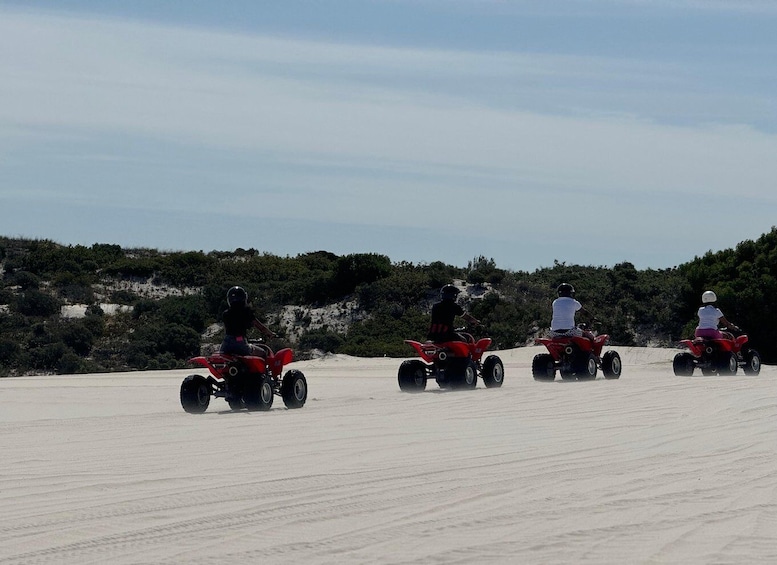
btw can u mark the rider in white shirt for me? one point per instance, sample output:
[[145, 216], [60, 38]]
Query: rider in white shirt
[[564, 309], [711, 319]]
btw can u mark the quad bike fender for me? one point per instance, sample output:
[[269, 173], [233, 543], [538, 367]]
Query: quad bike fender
[[456, 348], [426, 350], [599, 342], [430, 351], [695, 346], [282, 357], [699, 345], [255, 364], [480, 348], [557, 346], [214, 363], [584, 343], [199, 361], [217, 363]]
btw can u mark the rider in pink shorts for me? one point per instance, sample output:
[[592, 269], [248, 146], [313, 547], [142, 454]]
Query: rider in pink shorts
[[711, 318]]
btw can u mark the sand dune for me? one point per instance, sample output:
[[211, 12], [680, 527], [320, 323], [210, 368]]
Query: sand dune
[[650, 468]]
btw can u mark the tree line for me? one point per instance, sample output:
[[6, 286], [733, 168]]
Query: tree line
[[156, 330]]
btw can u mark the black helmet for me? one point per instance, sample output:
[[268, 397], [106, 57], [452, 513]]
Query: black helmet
[[237, 296], [566, 289], [449, 292]]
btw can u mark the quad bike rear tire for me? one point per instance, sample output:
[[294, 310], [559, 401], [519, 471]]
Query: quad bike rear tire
[[493, 372], [195, 394], [412, 376], [543, 367], [752, 362], [611, 365], [683, 365], [294, 389], [258, 393]]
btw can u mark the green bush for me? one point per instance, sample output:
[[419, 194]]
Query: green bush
[[36, 303], [634, 306], [9, 352], [76, 335], [68, 364], [324, 340], [26, 280]]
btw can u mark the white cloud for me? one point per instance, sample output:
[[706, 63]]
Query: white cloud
[[411, 132]]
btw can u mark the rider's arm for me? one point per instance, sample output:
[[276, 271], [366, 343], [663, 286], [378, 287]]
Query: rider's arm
[[470, 319], [728, 325], [264, 329], [587, 313]]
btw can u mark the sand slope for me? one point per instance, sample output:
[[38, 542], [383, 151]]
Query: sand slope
[[651, 468]]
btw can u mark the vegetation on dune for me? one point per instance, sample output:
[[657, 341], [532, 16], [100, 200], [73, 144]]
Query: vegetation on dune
[[164, 305]]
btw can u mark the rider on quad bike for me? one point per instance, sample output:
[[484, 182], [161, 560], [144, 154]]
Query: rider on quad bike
[[450, 356], [711, 319], [564, 308], [573, 350], [238, 318], [245, 374], [441, 328], [715, 351]]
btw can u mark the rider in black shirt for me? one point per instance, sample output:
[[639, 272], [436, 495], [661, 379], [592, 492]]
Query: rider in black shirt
[[238, 318], [444, 315]]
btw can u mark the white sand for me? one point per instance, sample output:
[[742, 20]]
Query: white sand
[[651, 468]]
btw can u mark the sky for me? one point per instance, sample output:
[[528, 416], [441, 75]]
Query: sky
[[588, 132]]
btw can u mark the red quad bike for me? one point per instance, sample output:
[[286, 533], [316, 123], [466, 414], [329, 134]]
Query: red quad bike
[[716, 357], [575, 358], [244, 381], [453, 364]]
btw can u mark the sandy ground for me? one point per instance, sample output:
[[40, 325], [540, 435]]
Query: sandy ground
[[651, 468]]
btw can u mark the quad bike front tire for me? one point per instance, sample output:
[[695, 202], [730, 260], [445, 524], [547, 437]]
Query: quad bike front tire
[[236, 403], [493, 372], [259, 393], [611, 365], [752, 362], [567, 374], [195, 394], [683, 365], [294, 389], [586, 370], [727, 363], [412, 376], [462, 373], [543, 367]]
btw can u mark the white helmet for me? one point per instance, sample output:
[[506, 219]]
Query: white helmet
[[708, 297]]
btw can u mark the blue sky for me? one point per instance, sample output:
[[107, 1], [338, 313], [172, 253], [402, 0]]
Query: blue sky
[[584, 131]]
